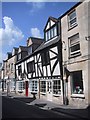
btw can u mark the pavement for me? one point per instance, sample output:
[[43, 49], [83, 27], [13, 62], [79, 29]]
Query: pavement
[[82, 113]]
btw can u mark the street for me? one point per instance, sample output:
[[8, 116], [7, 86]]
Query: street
[[14, 108]]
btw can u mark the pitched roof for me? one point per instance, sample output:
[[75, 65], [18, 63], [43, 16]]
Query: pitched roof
[[47, 44], [23, 48]]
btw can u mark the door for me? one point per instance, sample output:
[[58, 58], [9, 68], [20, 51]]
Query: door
[[26, 88], [49, 90]]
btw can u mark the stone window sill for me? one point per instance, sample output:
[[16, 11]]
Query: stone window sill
[[78, 96]]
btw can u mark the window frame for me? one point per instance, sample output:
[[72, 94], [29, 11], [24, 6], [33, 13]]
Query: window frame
[[31, 67], [21, 86], [70, 20], [57, 89], [45, 58], [70, 45], [77, 87], [33, 86], [48, 33], [43, 89]]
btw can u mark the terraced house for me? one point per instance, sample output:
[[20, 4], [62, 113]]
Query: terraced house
[[57, 68]]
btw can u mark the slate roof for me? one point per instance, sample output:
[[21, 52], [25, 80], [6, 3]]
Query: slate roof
[[47, 44]]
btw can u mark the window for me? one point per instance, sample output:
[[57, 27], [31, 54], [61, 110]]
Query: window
[[74, 45], [12, 65], [30, 67], [19, 56], [77, 82], [51, 33], [33, 85], [20, 86], [29, 50], [19, 70], [43, 86], [45, 58], [56, 87], [72, 19]]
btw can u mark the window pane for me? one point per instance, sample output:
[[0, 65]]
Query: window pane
[[46, 36], [30, 67], [74, 45], [56, 87], [72, 19], [77, 83], [75, 48], [72, 22], [43, 86], [45, 58], [52, 33], [72, 15], [55, 31]]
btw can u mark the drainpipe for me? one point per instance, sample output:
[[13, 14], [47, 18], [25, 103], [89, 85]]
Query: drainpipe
[[61, 57], [39, 88]]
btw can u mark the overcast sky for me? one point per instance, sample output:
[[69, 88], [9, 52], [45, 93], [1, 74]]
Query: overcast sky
[[21, 20]]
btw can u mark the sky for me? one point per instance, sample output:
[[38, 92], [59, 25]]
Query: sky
[[21, 20]]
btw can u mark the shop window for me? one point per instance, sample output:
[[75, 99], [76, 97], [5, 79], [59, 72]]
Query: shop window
[[33, 85], [43, 86], [20, 86], [77, 82], [56, 87]]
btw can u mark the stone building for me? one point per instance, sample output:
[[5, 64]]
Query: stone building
[[75, 32]]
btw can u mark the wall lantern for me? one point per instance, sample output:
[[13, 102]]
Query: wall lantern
[[87, 38]]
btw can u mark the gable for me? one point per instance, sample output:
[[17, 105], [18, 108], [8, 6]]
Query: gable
[[49, 24], [51, 21]]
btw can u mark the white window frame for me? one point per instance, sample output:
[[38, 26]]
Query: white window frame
[[70, 20], [58, 94], [51, 33], [42, 92], [76, 52], [20, 87], [33, 86]]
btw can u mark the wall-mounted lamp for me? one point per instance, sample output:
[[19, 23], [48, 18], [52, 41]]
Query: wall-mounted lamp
[[87, 38]]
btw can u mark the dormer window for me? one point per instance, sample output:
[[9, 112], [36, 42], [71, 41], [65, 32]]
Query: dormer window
[[51, 33]]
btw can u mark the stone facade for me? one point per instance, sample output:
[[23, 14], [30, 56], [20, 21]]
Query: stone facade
[[81, 61]]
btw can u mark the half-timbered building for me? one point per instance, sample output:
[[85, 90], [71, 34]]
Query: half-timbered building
[[22, 70], [43, 67]]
